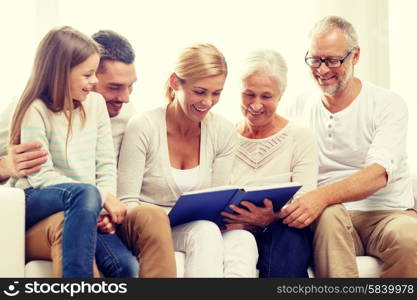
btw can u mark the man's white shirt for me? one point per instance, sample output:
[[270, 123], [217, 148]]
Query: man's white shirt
[[372, 129]]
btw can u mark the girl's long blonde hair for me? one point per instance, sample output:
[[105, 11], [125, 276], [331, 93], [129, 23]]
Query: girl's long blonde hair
[[60, 50]]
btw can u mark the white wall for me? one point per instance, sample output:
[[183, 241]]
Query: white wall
[[17, 33], [403, 58], [159, 28]]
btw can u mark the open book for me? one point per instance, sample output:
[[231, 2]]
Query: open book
[[207, 204]]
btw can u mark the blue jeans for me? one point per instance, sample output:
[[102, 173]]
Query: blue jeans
[[81, 204], [284, 251], [113, 258]]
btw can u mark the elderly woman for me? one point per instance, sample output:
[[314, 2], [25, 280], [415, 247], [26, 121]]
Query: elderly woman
[[271, 145]]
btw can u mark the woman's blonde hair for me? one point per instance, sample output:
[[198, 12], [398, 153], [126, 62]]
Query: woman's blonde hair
[[196, 62], [60, 50]]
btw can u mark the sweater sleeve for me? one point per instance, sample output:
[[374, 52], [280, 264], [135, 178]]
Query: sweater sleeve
[[34, 128], [105, 158], [226, 147], [132, 160]]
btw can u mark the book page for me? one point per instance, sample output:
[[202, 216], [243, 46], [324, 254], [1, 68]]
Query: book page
[[214, 189]]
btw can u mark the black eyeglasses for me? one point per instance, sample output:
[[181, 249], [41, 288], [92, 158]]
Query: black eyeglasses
[[315, 62]]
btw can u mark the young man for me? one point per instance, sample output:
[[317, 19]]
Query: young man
[[364, 203], [145, 230]]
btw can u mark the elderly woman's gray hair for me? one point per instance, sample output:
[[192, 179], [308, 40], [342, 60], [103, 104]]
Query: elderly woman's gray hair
[[269, 61]]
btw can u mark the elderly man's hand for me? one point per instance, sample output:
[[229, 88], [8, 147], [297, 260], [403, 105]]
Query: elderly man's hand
[[303, 211], [24, 159], [260, 216]]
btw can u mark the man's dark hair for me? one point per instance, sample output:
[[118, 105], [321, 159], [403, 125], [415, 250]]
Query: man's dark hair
[[114, 47]]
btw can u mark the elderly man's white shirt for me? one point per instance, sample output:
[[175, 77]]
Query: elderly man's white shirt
[[372, 129]]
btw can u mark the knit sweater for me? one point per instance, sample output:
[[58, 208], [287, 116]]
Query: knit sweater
[[292, 149], [118, 126], [144, 173], [88, 156]]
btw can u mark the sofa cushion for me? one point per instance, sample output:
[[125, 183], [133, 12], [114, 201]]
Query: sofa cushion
[[43, 268], [367, 266], [38, 268]]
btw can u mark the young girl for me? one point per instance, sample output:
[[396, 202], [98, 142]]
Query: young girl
[[182, 147], [58, 109]]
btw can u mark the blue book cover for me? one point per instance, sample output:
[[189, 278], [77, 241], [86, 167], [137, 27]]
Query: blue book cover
[[207, 204]]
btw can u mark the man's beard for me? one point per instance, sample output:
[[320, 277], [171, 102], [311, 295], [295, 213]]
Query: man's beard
[[339, 85]]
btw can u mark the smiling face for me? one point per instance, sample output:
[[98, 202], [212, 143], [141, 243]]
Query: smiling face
[[260, 97], [115, 84], [83, 77], [197, 97], [332, 81]]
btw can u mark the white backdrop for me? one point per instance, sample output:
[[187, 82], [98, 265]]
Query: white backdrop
[[158, 29], [403, 64]]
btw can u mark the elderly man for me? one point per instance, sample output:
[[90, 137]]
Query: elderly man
[[146, 229], [364, 201]]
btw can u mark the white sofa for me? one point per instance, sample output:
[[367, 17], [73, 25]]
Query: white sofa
[[12, 262], [12, 222]]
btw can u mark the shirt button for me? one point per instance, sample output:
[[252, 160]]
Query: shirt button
[[330, 135], [330, 126], [331, 117]]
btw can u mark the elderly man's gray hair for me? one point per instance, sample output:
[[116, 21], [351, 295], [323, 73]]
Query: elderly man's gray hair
[[331, 22]]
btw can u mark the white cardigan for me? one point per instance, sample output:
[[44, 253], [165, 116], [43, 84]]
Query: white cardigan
[[144, 173]]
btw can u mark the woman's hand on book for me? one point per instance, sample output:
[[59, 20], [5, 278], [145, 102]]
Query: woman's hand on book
[[248, 213]]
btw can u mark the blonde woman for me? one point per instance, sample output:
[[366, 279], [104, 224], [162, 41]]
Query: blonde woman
[[182, 147]]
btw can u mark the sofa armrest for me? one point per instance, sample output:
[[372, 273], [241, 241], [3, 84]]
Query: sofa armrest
[[12, 232], [414, 184]]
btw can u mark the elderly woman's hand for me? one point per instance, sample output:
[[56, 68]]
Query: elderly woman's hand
[[260, 216]]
